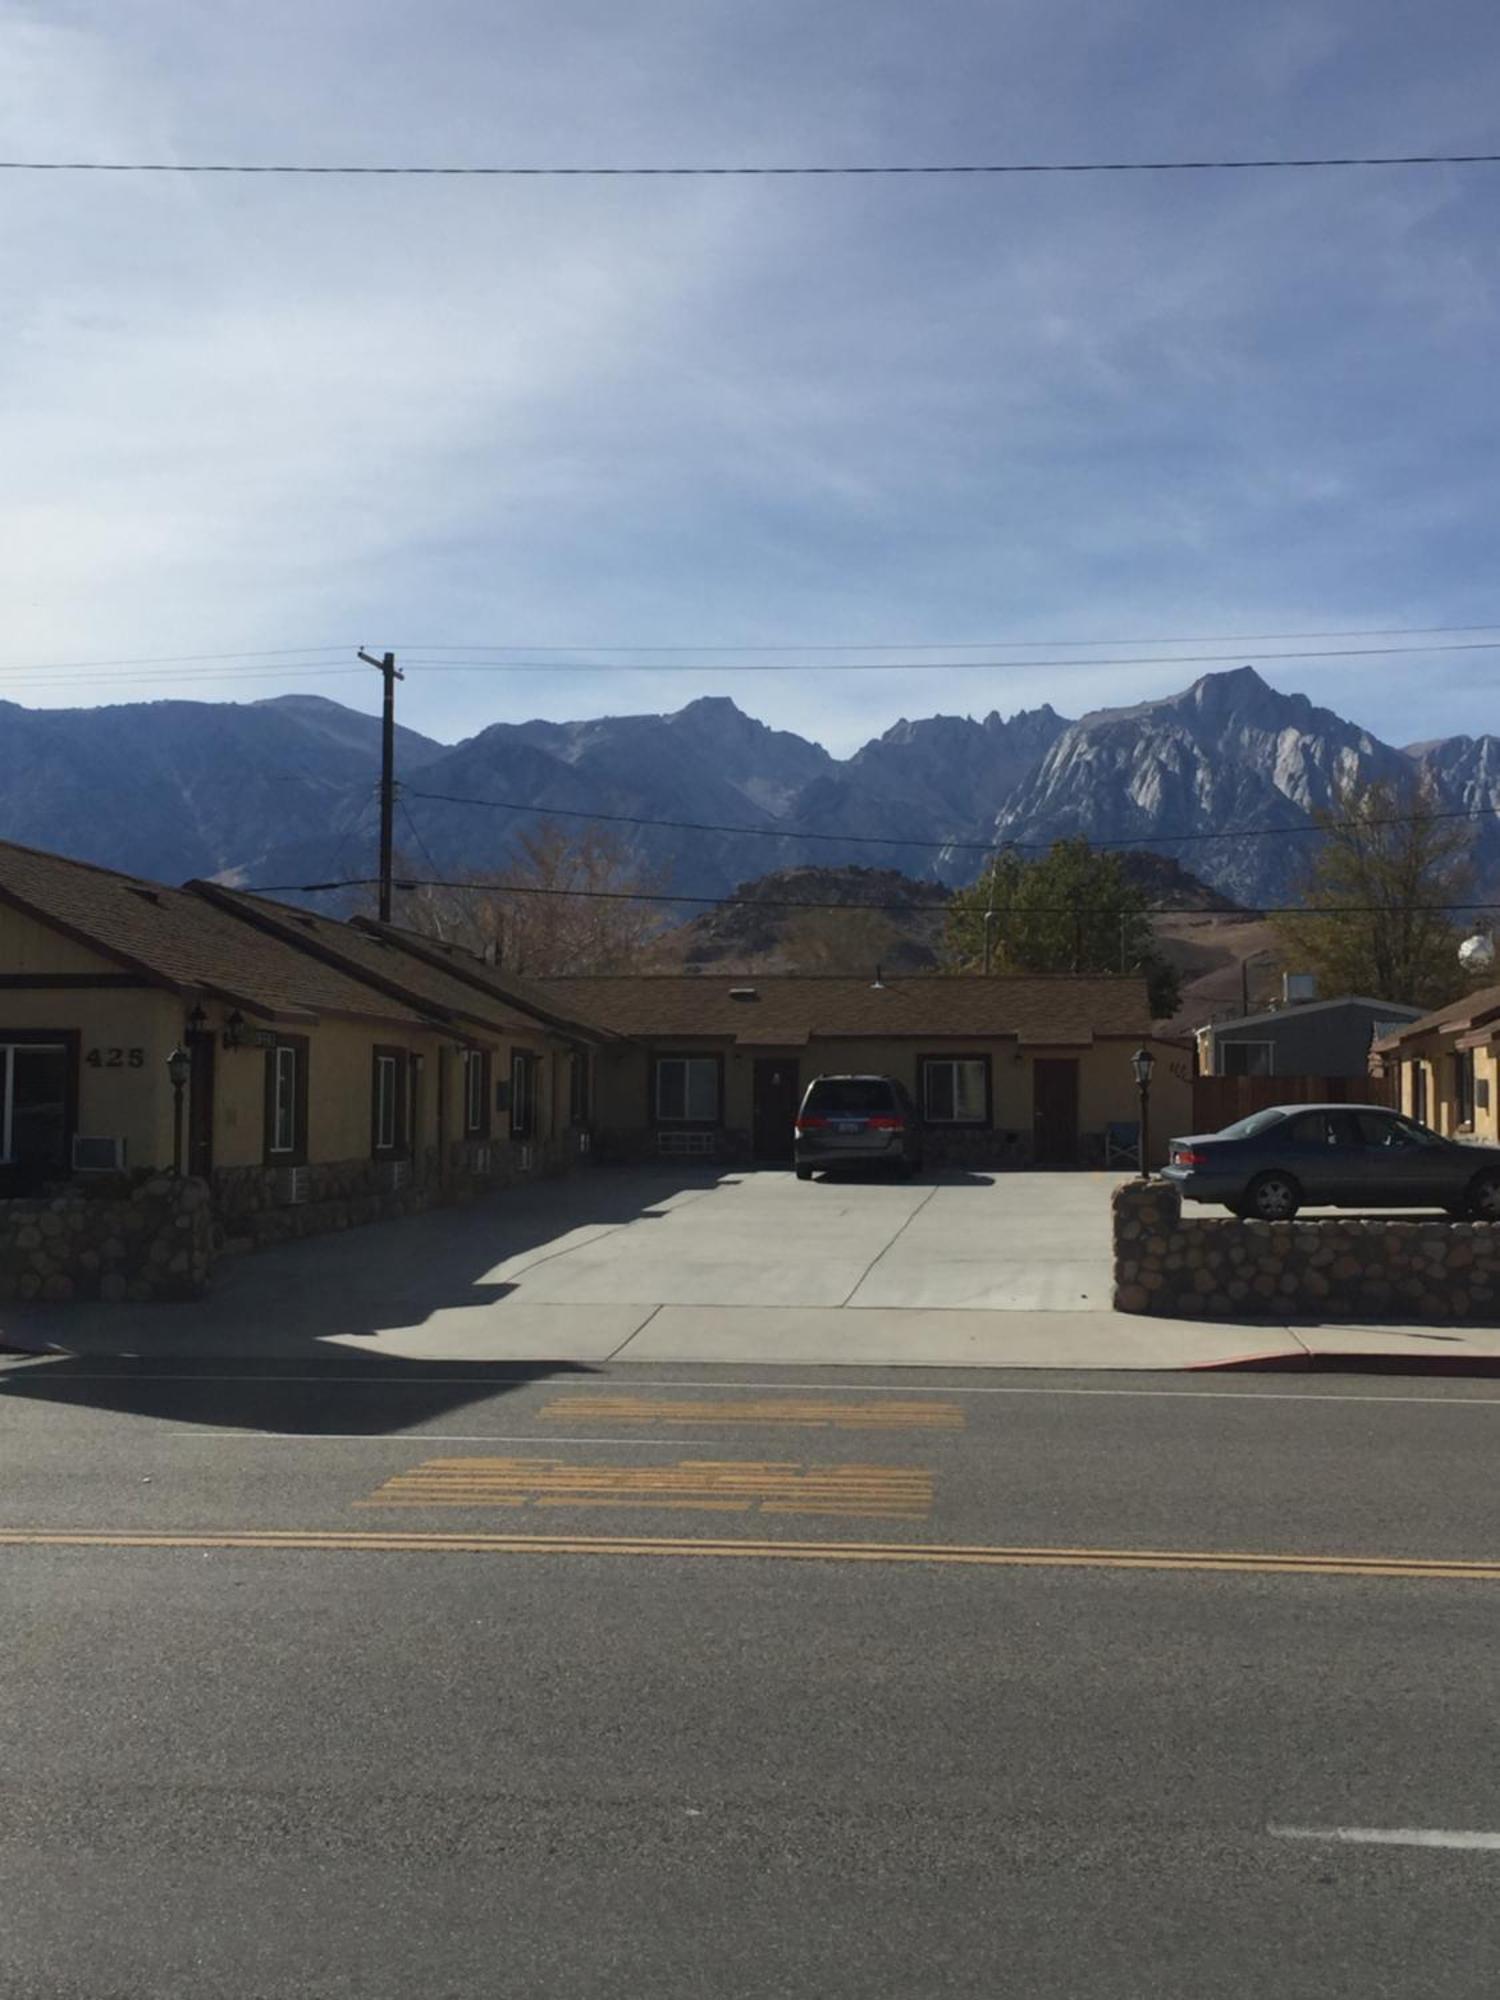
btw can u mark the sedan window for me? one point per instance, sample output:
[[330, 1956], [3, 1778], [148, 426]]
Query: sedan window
[[1315, 1128]]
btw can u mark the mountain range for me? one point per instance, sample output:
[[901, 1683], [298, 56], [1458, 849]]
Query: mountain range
[[283, 791]]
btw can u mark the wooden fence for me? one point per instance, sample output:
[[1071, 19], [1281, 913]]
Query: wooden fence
[[1219, 1100]]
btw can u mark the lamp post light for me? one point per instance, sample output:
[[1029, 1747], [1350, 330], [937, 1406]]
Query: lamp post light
[[1143, 1062], [179, 1067]]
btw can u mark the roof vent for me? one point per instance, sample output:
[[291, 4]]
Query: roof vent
[[743, 993]]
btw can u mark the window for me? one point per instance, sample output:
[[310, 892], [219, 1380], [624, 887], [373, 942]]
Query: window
[[1419, 1092], [579, 1107], [851, 1097], [1463, 1087], [1319, 1128], [35, 1105], [388, 1101], [286, 1101], [1386, 1130], [956, 1090], [476, 1094], [687, 1090], [522, 1094], [1247, 1059]]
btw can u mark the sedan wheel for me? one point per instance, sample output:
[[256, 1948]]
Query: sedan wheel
[[1273, 1198], [1484, 1198]]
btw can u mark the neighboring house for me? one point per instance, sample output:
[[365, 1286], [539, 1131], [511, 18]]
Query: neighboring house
[[323, 1064], [1304, 1038], [1448, 1063], [1005, 1070]]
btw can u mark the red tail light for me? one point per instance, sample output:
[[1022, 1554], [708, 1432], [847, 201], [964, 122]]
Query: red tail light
[[881, 1123], [812, 1124], [1185, 1156]]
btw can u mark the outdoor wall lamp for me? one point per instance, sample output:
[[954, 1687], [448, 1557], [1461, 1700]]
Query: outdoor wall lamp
[[1143, 1062], [179, 1069], [234, 1031], [197, 1021]]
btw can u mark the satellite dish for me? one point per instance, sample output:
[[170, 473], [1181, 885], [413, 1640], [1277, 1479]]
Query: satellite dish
[[1477, 953]]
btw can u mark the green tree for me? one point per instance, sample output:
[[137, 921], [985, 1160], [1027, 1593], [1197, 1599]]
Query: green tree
[[1071, 911], [1377, 891]]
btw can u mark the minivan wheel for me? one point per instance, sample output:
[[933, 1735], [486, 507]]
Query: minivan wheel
[[1272, 1198], [1484, 1197], [804, 1173]]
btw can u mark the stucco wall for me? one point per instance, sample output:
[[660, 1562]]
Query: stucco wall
[[1441, 1113], [1106, 1086], [132, 1101]]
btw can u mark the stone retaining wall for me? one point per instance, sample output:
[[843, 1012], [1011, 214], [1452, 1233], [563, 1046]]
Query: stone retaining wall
[[155, 1241], [1346, 1268]]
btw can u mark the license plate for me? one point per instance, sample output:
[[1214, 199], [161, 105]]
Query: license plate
[[848, 1126]]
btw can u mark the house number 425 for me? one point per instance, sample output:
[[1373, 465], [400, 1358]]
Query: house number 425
[[116, 1058]]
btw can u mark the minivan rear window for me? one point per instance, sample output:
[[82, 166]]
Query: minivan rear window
[[850, 1096]]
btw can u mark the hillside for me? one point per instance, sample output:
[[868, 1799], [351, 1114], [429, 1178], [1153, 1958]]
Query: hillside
[[707, 797]]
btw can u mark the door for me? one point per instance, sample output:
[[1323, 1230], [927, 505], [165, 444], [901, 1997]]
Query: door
[[1054, 1098], [1323, 1149], [200, 1132], [1403, 1166], [774, 1107]]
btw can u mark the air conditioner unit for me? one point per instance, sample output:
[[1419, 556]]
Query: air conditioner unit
[[394, 1175], [291, 1186], [98, 1156]]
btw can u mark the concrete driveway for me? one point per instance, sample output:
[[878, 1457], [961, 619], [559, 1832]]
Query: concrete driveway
[[680, 1265], [1008, 1243]]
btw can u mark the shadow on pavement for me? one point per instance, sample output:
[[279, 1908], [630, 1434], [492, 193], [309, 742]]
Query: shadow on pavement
[[356, 1395], [274, 1345]]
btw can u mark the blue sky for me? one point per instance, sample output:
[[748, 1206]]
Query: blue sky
[[254, 415]]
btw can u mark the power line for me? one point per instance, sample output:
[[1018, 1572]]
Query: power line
[[248, 654], [948, 846], [409, 883], [964, 645], [554, 666], [872, 170]]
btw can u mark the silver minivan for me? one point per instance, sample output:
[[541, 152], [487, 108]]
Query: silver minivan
[[857, 1121]]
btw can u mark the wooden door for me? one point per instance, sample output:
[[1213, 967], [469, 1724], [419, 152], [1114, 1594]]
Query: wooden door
[[1054, 1089], [200, 1132], [775, 1106]]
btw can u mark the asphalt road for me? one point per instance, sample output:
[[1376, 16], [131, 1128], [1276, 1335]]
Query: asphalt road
[[746, 1682]]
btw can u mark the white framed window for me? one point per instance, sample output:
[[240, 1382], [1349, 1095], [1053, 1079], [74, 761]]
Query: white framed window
[[284, 1099], [522, 1094], [956, 1090], [1247, 1058], [385, 1103], [476, 1069], [33, 1104], [687, 1090]]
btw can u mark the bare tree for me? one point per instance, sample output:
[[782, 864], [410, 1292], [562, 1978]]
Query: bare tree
[[1378, 894], [563, 904]]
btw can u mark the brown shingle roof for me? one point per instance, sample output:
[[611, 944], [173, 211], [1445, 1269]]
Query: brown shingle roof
[[366, 954], [530, 996], [1457, 1016], [176, 939], [790, 1010]]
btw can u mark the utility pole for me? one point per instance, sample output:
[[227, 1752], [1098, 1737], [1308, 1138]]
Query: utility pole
[[391, 673]]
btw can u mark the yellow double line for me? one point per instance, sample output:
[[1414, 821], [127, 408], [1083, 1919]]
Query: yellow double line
[[338, 1542]]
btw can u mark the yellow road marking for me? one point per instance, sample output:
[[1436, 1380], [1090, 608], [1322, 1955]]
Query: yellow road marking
[[391, 1542], [806, 1412], [900, 1492]]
